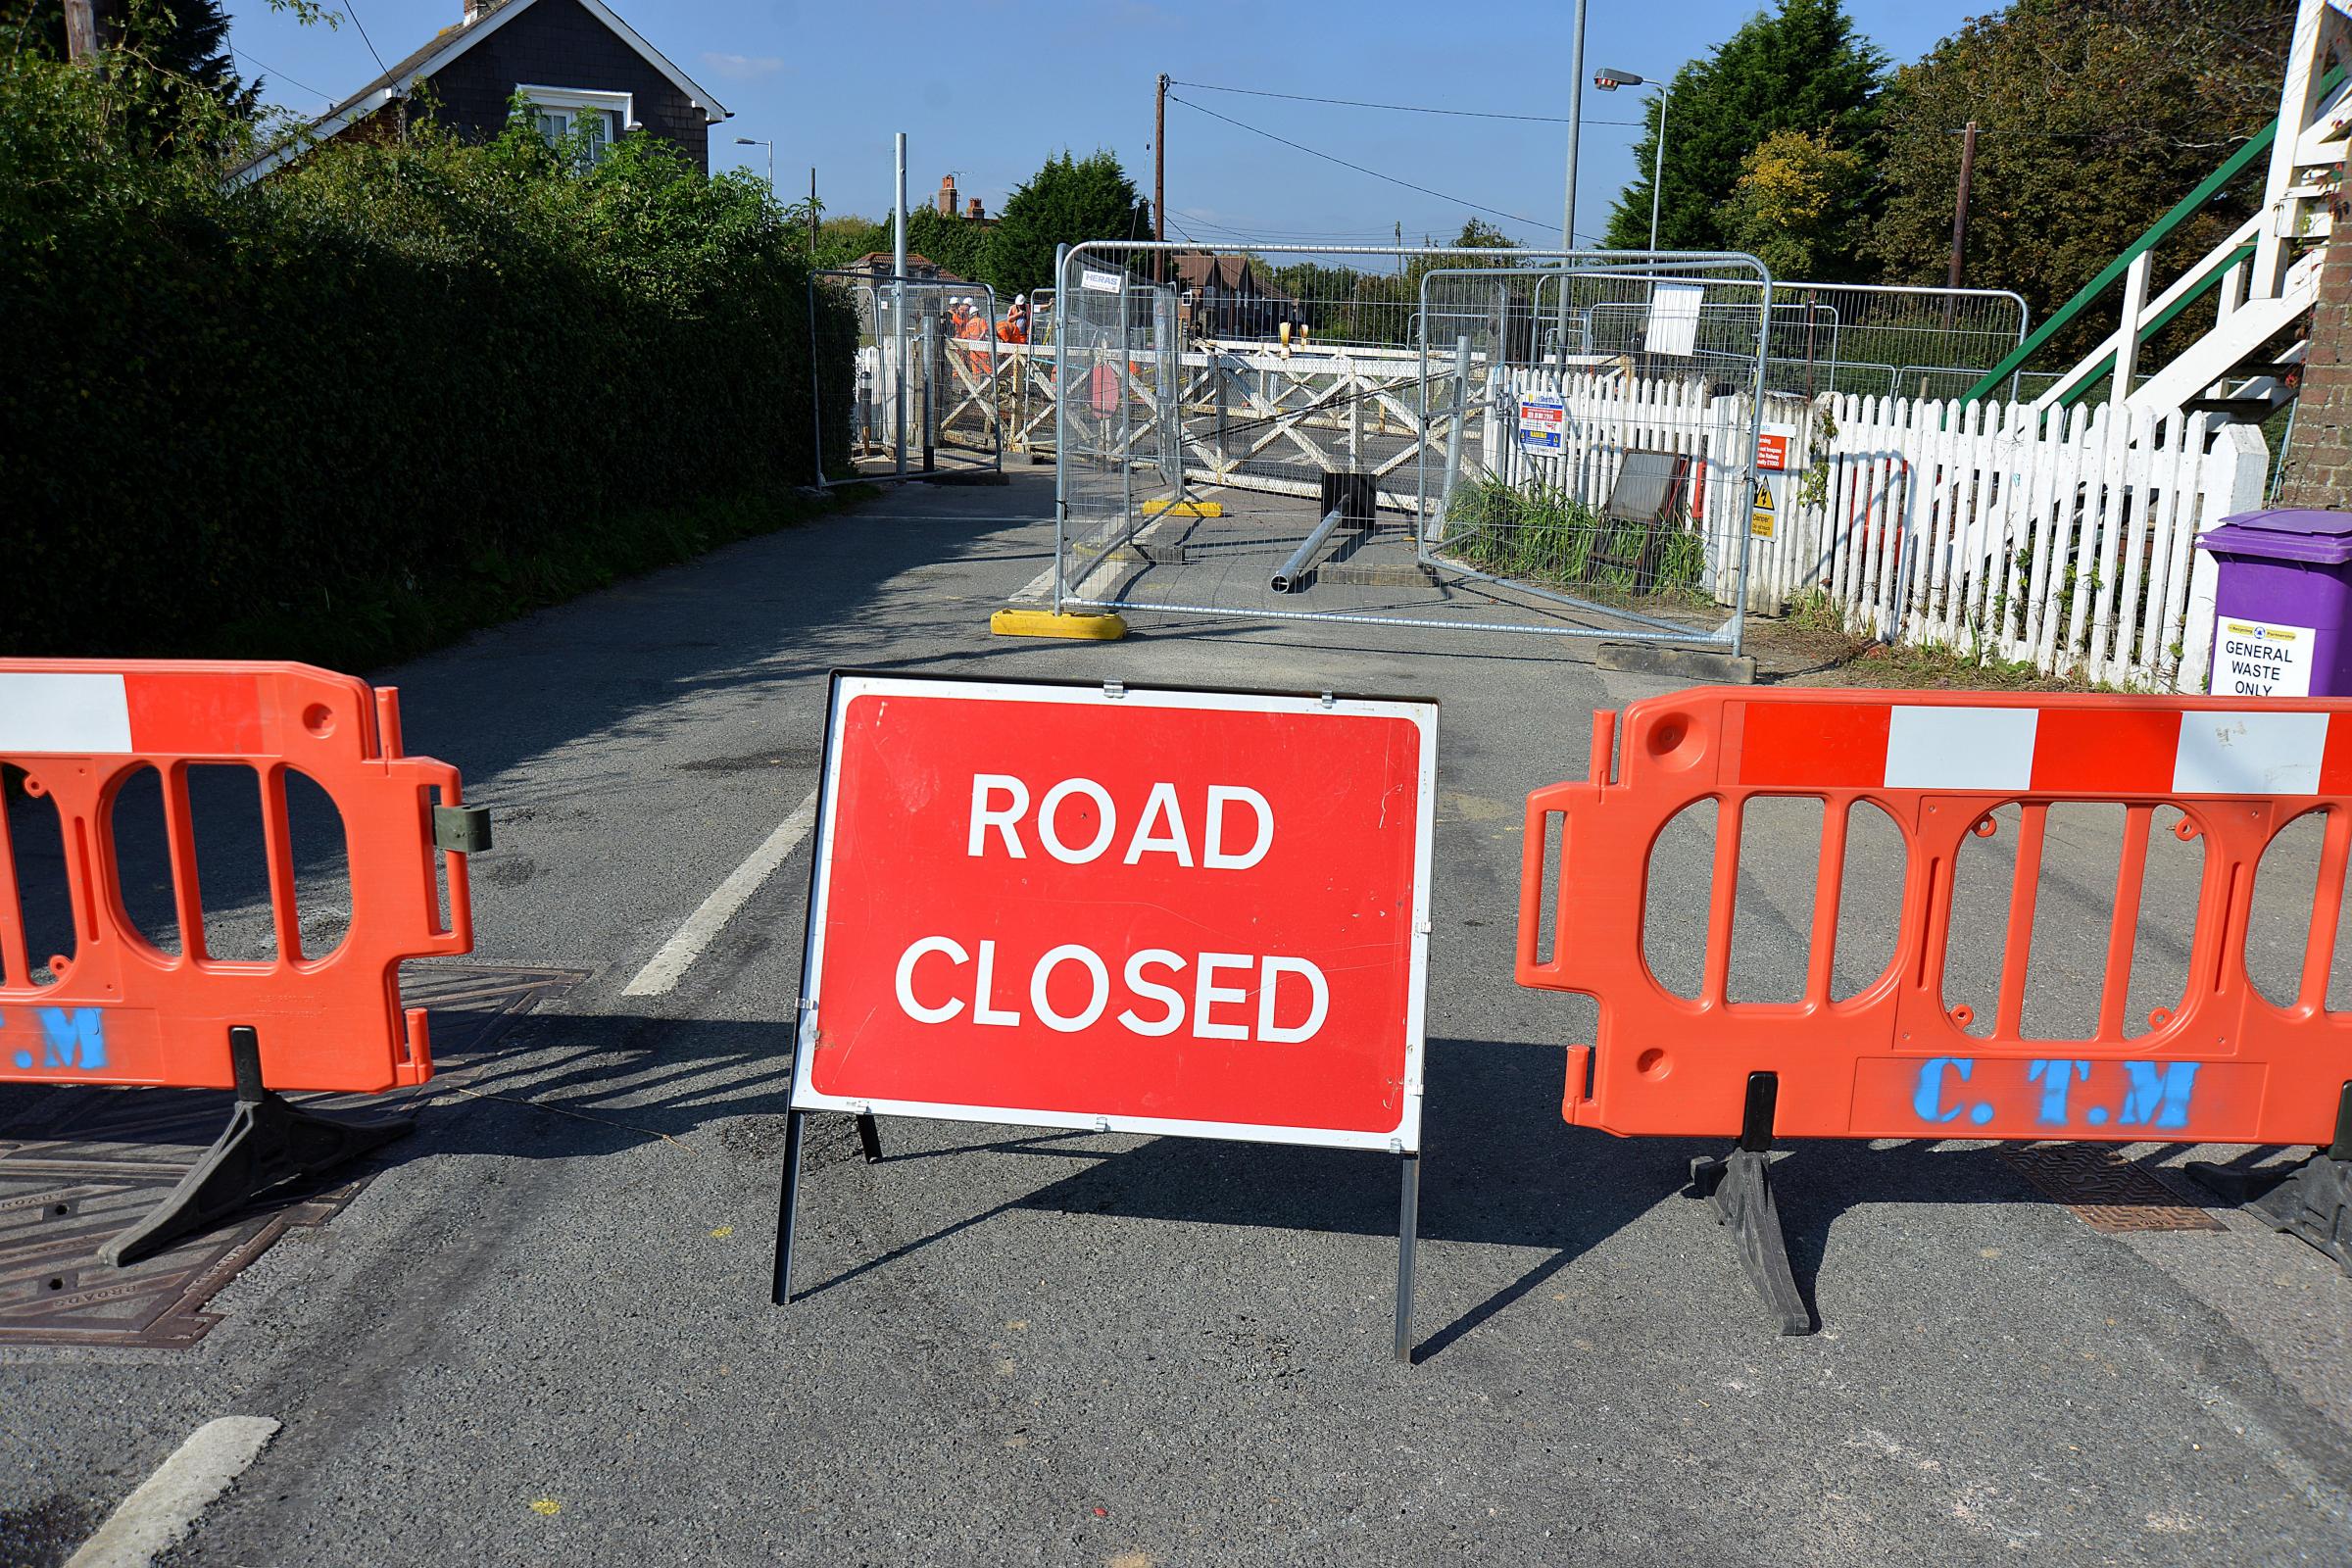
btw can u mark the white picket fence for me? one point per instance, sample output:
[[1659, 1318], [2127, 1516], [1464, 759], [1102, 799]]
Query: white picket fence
[[2067, 543]]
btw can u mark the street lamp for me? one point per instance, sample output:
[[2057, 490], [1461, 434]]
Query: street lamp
[[1608, 80], [753, 141]]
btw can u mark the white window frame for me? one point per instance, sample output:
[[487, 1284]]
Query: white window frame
[[572, 101]]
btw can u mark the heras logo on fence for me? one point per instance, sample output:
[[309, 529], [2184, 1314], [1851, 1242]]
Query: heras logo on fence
[[1167, 912]]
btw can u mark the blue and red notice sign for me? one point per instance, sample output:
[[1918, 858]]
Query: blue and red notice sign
[[1543, 422]]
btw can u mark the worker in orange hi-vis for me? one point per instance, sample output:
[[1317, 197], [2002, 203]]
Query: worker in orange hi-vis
[[971, 322], [1014, 328]]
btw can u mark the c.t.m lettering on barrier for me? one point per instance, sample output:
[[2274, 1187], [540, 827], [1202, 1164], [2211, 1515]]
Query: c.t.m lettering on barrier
[[2056, 1096], [66, 1040]]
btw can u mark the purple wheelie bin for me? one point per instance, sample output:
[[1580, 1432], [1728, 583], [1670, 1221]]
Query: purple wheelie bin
[[2282, 601]]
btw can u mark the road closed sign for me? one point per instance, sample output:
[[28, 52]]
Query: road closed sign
[[1162, 912]]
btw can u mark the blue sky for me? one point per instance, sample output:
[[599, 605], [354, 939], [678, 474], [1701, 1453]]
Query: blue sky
[[989, 91]]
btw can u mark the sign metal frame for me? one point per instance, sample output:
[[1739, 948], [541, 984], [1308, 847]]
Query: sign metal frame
[[1402, 1139]]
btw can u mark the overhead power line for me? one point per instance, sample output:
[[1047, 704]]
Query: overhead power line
[[1403, 109], [264, 69], [1360, 168], [352, 10]]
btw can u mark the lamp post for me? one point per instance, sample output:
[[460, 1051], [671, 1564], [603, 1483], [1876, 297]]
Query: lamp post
[[753, 141], [1608, 80]]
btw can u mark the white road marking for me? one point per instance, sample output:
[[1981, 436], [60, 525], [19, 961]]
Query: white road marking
[[678, 953], [182, 1486]]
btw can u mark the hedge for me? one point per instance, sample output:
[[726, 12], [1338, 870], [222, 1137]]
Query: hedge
[[392, 375]]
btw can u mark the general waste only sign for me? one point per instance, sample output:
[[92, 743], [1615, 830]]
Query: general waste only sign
[[2262, 658], [1167, 912]]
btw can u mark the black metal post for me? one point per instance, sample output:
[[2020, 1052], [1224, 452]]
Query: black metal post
[[788, 1203], [1409, 1238]]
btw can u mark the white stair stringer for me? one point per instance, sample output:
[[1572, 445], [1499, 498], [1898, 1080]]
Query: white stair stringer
[[2212, 357]]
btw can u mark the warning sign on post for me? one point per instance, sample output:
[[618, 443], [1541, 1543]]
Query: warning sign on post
[[1199, 913], [1543, 422], [1766, 511], [2262, 658]]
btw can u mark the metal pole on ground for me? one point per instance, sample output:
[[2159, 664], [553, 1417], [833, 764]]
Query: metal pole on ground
[[1062, 403], [898, 303], [1576, 119], [1408, 1236]]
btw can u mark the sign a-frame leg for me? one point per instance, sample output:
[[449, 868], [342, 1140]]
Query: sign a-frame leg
[[1408, 1240], [788, 1205]]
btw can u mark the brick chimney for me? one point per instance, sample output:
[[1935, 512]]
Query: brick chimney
[[973, 211], [476, 9], [947, 196]]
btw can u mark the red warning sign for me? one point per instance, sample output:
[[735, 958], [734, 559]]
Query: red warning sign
[[1198, 913]]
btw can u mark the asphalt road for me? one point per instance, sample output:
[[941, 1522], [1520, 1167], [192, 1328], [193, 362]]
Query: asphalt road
[[542, 1334]]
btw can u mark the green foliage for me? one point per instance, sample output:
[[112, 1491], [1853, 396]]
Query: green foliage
[[2095, 117], [955, 243], [842, 240], [333, 393], [1794, 206], [1070, 200], [1544, 534], [1803, 67], [1349, 305], [166, 53]]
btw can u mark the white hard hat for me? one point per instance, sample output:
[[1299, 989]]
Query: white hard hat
[[1021, 299]]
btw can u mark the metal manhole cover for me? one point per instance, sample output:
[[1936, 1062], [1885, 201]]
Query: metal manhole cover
[[78, 1164], [2106, 1190]]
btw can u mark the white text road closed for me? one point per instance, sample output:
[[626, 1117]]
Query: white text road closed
[[2262, 658], [1159, 911]]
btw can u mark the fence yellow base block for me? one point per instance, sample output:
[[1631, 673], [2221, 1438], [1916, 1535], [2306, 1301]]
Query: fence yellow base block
[[1046, 624], [1184, 509]]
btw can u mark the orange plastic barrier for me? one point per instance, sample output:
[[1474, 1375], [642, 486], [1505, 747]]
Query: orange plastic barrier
[[1894, 1061], [120, 1009]]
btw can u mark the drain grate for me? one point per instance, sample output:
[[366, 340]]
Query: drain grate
[[77, 1165], [2106, 1190]]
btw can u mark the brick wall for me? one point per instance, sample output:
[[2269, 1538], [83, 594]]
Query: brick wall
[[2318, 468], [557, 43]]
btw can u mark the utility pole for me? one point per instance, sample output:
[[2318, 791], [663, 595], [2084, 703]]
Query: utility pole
[[82, 30], [1401, 247], [1159, 179], [1967, 172], [812, 212]]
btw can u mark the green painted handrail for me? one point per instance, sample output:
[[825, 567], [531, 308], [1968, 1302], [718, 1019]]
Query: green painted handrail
[[2160, 230], [2159, 321]]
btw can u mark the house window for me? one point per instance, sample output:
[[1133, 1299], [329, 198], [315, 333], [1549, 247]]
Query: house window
[[603, 117]]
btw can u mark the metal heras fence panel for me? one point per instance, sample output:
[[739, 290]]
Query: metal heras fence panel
[[1864, 339], [929, 394], [1616, 479], [1301, 435]]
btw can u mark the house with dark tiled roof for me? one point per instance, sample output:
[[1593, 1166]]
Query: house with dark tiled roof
[[578, 62], [1229, 296]]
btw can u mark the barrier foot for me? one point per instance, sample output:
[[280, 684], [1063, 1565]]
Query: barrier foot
[[2315, 1202], [869, 1138], [268, 1142], [1741, 1185]]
